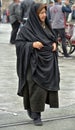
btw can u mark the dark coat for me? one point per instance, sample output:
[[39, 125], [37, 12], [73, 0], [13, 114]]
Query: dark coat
[[14, 12], [44, 62], [25, 8]]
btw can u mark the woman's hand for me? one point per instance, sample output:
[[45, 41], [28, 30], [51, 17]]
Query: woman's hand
[[54, 46], [37, 45]]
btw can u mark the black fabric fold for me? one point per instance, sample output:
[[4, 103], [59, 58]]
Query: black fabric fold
[[43, 62]]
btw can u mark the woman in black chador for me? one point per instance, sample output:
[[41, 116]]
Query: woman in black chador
[[37, 64]]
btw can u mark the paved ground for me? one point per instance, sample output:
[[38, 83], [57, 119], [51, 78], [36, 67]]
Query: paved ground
[[12, 114]]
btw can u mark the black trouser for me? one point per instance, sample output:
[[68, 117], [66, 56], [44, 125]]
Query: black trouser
[[15, 27], [61, 33]]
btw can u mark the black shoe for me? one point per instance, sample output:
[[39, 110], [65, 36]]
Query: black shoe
[[67, 57], [38, 122]]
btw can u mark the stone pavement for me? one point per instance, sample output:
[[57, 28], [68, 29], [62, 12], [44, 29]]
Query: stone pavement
[[12, 114]]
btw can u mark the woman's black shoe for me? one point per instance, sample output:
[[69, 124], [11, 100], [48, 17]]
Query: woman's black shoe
[[36, 116], [38, 122]]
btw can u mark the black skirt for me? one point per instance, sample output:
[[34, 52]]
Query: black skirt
[[35, 97]]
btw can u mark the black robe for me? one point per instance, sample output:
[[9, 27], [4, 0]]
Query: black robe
[[43, 62]]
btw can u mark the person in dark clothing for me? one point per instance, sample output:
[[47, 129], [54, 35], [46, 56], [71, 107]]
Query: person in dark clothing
[[51, 3], [37, 63], [15, 19], [25, 8], [58, 19]]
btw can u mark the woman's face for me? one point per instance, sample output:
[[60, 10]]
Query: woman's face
[[42, 15]]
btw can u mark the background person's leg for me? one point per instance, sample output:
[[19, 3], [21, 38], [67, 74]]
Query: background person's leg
[[63, 38]]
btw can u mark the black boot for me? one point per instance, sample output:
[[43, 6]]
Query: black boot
[[37, 122], [37, 118]]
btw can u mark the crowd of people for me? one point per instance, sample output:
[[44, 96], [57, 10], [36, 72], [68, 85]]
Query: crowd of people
[[18, 11], [37, 52]]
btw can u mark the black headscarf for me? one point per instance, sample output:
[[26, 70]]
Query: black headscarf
[[43, 62], [33, 24]]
